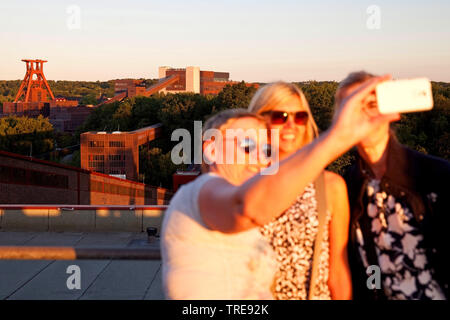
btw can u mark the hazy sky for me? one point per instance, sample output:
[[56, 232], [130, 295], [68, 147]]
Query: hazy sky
[[254, 40]]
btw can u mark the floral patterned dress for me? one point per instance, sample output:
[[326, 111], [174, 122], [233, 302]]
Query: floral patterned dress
[[400, 248], [292, 237]]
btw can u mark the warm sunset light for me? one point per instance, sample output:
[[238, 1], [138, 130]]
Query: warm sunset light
[[224, 155]]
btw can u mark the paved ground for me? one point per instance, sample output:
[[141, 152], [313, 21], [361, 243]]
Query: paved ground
[[100, 279]]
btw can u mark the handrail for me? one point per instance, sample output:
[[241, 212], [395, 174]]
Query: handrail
[[80, 207], [79, 253]]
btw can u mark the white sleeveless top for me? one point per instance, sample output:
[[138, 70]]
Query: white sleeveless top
[[199, 263]]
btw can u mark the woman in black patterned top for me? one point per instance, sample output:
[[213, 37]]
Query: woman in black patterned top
[[293, 233], [399, 215]]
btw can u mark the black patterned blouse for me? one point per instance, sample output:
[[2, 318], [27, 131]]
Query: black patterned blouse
[[399, 247]]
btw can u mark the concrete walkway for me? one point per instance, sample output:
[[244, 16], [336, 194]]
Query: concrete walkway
[[100, 279]]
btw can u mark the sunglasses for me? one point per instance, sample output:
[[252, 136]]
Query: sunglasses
[[249, 145], [280, 117]]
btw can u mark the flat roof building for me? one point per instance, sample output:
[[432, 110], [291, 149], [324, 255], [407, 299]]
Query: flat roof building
[[192, 79], [132, 87], [174, 80], [115, 153], [26, 180], [68, 119]]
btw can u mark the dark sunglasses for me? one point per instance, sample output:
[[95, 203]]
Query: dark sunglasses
[[280, 117], [249, 145]]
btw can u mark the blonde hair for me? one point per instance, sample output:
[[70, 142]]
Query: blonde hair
[[275, 94]]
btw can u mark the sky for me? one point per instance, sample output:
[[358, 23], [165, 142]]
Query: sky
[[253, 40]]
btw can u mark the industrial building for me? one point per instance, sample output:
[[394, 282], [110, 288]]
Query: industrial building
[[132, 87], [174, 80], [33, 181], [128, 88], [115, 153], [34, 96], [192, 79], [68, 119]]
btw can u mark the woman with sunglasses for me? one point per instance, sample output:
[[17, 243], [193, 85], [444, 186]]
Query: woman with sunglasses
[[211, 243], [293, 233], [209, 256]]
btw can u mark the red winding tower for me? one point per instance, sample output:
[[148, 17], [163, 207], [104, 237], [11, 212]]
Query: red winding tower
[[35, 97], [34, 87]]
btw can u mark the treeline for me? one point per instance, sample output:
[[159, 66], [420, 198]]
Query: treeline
[[427, 132], [87, 92], [26, 136], [173, 111], [36, 137]]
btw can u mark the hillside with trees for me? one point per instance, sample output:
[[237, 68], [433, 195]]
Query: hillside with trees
[[173, 111], [427, 132], [27, 136], [87, 92]]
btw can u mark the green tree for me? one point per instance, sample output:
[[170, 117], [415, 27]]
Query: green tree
[[427, 132], [157, 168], [320, 96], [234, 96], [76, 159], [89, 99], [26, 136]]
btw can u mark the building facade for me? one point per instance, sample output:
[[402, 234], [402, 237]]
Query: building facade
[[192, 79], [68, 119], [132, 87], [115, 153], [25, 180]]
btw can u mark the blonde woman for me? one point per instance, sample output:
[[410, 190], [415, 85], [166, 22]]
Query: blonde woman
[[293, 233], [211, 245]]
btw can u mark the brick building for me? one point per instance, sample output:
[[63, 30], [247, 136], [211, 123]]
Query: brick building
[[192, 79], [29, 109], [115, 153], [68, 119], [131, 86], [25, 180], [173, 80]]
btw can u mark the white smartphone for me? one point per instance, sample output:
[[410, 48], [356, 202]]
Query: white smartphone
[[400, 96]]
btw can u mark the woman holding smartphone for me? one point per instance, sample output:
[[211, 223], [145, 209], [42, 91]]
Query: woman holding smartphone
[[293, 233], [212, 247]]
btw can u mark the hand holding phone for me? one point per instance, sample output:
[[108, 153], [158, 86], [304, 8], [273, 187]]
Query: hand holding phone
[[400, 96]]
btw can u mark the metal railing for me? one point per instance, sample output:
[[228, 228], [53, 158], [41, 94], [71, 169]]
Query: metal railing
[[84, 218], [71, 253]]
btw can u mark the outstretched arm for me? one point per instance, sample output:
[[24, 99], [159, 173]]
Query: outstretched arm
[[228, 208]]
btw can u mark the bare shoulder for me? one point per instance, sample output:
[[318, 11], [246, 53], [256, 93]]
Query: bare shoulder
[[334, 183], [336, 190]]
